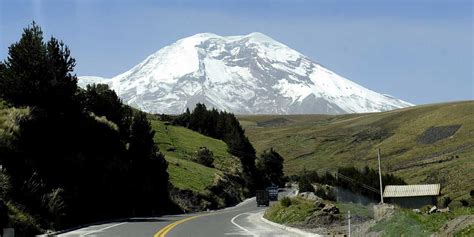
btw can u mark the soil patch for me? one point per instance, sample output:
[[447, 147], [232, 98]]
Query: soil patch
[[274, 122], [434, 134]]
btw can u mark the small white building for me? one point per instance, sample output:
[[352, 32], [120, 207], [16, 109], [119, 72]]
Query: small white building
[[412, 196]]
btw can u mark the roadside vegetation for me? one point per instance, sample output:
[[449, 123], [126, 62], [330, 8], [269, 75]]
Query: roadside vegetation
[[70, 156], [315, 208], [314, 214], [290, 211], [408, 223], [466, 232], [328, 217]]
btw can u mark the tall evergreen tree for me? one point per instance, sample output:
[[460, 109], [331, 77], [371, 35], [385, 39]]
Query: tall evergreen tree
[[39, 74], [148, 168], [102, 101], [2, 87], [198, 118], [142, 145], [270, 166]]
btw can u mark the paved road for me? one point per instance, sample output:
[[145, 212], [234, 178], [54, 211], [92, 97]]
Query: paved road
[[241, 220]]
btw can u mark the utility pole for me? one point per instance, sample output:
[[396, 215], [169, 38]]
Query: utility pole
[[349, 221], [380, 177]]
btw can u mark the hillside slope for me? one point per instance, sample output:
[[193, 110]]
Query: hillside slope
[[179, 144], [422, 144], [198, 187]]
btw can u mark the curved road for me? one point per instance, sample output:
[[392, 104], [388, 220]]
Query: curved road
[[241, 220]]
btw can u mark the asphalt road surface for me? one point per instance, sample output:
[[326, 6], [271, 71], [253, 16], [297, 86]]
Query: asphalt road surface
[[244, 219]]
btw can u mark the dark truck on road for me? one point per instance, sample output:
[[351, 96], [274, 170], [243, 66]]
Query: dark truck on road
[[262, 198]]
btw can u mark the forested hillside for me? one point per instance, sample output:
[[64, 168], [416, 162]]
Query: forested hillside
[[70, 156]]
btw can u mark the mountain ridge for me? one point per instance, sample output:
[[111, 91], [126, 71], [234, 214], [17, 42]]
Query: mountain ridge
[[248, 74]]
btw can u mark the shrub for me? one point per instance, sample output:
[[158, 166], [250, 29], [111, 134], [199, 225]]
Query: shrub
[[320, 192], [4, 104], [305, 185], [446, 201], [204, 157], [270, 165], [326, 193], [286, 202]]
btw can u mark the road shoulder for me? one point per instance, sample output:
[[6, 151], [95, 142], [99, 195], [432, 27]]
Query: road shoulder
[[287, 228]]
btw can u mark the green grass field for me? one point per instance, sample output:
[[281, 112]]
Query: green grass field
[[407, 223], [324, 142], [179, 145], [469, 231]]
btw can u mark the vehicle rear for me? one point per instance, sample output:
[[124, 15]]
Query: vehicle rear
[[262, 197]]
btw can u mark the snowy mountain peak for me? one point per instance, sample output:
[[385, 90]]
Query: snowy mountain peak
[[248, 74], [254, 36]]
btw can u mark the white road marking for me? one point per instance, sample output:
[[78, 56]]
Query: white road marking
[[239, 226], [99, 230]]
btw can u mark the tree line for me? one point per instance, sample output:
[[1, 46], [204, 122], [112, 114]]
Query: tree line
[[365, 176], [259, 172], [369, 177], [78, 155]]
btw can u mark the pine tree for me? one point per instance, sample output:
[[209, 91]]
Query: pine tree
[[39, 74], [103, 101], [270, 165], [148, 168], [198, 119], [142, 145]]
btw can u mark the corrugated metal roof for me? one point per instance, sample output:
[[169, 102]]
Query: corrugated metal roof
[[411, 190]]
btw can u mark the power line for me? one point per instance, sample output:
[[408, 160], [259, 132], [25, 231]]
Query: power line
[[339, 175]]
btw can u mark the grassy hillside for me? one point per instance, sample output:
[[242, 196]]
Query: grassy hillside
[[179, 145], [422, 144]]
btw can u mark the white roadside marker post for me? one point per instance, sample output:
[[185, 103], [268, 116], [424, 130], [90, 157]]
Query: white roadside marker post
[[349, 222]]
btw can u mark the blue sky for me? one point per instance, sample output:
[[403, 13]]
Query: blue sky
[[417, 50]]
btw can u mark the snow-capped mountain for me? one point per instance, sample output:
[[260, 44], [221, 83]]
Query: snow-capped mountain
[[250, 74]]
